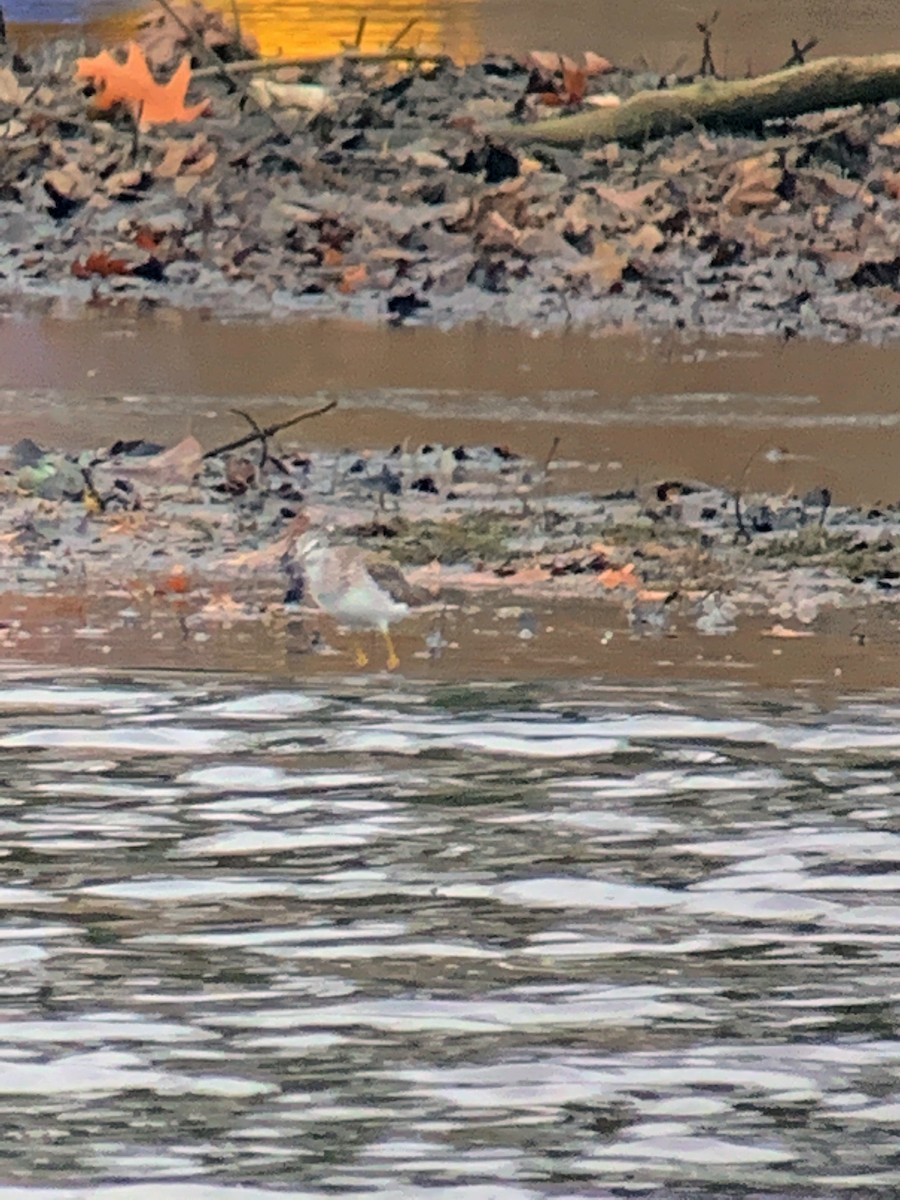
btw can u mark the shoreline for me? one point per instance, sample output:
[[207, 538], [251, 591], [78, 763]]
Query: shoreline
[[395, 204]]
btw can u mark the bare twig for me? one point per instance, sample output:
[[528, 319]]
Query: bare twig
[[245, 66], [236, 14], [707, 66], [799, 53], [360, 31], [260, 433], [551, 453], [269, 430], [136, 132], [407, 28]]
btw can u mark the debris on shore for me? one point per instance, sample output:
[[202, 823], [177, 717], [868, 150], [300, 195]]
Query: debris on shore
[[378, 186], [146, 527]]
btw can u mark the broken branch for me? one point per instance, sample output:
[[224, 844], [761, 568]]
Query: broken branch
[[247, 65], [261, 434], [827, 83]]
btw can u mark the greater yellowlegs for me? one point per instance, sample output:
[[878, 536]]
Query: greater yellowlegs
[[356, 593]]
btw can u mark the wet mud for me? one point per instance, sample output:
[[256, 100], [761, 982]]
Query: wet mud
[[141, 542]]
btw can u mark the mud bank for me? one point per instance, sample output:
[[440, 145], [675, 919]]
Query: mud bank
[[163, 547], [396, 203]]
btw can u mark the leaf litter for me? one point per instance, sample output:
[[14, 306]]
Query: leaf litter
[[379, 188]]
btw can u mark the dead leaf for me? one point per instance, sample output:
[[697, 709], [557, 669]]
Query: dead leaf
[[496, 233], [69, 181], [353, 278], [646, 240], [604, 267], [574, 82], [178, 464], [782, 631], [891, 140], [891, 181], [630, 200], [176, 583], [615, 577], [604, 100], [596, 64], [124, 184], [11, 91], [132, 84], [100, 263], [546, 61], [754, 185]]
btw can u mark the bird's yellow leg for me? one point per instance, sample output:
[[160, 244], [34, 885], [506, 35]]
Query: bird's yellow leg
[[393, 662], [362, 659]]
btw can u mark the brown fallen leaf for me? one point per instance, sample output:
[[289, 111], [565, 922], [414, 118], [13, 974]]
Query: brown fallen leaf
[[125, 185], [754, 185], [194, 157], [178, 464], [353, 278], [574, 82], [132, 84], [11, 91], [546, 61], [646, 240], [100, 263], [176, 583], [615, 577], [604, 267], [69, 181], [630, 200], [596, 64]]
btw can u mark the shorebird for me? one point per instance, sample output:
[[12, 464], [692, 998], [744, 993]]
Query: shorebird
[[356, 593]]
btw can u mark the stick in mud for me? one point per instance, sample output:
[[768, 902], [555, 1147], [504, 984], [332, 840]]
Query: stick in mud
[[245, 66], [799, 53], [236, 14], [707, 66], [264, 455], [407, 28], [269, 430]]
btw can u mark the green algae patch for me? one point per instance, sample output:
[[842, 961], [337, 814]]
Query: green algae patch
[[853, 556], [474, 538]]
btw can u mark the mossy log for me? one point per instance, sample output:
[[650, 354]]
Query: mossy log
[[732, 104]]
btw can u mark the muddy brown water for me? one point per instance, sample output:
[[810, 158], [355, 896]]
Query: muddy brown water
[[753, 36], [754, 413]]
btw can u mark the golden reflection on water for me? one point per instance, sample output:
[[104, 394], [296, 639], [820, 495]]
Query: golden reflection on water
[[313, 28]]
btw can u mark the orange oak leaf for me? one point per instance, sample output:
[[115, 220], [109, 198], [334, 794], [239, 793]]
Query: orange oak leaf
[[614, 577], [100, 263], [131, 83]]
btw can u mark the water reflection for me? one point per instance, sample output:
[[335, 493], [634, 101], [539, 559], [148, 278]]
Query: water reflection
[[463, 942], [288, 27], [747, 37]]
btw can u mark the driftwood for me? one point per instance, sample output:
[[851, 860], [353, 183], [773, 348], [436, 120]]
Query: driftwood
[[738, 103], [242, 66]]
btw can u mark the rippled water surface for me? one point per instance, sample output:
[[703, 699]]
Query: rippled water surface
[[482, 944]]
